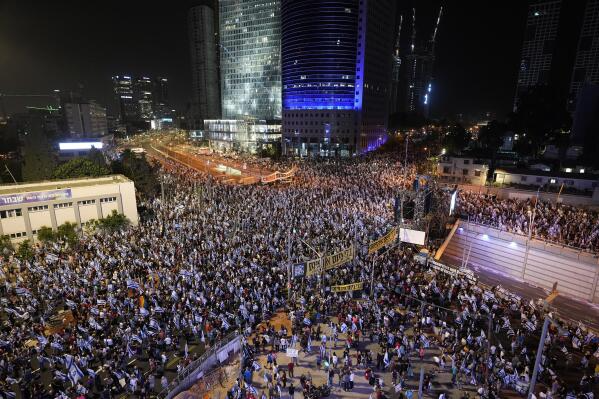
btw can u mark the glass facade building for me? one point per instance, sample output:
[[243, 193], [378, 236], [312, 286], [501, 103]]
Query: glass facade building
[[336, 74], [250, 48], [243, 135]]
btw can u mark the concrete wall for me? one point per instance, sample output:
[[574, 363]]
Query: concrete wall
[[538, 263], [507, 192]]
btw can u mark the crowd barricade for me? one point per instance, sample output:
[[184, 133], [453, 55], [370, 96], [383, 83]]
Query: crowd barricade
[[209, 360]]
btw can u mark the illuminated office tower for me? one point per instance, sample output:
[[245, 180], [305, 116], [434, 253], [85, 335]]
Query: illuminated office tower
[[336, 74], [250, 48]]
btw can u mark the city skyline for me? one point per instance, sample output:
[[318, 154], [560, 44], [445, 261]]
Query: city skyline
[[47, 54]]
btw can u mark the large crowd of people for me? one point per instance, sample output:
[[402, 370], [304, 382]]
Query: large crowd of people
[[564, 224], [116, 312]]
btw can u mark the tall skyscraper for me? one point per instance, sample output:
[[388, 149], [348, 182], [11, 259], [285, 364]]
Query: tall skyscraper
[[586, 63], [203, 45], [538, 46], [549, 46], [143, 88], [250, 48], [160, 104], [123, 90], [336, 71]]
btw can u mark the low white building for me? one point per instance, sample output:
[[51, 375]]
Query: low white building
[[537, 178], [25, 208], [464, 170]]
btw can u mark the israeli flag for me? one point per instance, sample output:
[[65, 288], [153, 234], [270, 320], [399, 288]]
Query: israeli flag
[[158, 309], [101, 302], [42, 341], [22, 291], [74, 372], [144, 312], [154, 324], [136, 337], [307, 321], [71, 304], [226, 325], [56, 345], [186, 273], [132, 285], [91, 373]]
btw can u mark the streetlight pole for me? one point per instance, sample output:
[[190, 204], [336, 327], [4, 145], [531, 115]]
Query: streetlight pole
[[531, 223], [535, 372]]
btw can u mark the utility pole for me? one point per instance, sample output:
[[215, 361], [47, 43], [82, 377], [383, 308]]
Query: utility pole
[[421, 383], [535, 372], [372, 277], [10, 173]]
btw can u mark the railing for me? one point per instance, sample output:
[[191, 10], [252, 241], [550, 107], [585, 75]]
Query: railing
[[181, 381], [465, 221]]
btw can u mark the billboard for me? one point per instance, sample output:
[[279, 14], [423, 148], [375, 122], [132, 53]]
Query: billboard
[[412, 236], [81, 145], [37, 196]]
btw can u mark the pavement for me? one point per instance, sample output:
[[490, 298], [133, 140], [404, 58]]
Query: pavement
[[307, 365]]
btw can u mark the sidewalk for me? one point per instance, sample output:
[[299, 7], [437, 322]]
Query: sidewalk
[[306, 365]]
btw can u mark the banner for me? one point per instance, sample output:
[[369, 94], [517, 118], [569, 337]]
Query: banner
[[412, 236], [317, 266], [347, 287], [383, 241], [292, 352], [37, 196], [299, 270]]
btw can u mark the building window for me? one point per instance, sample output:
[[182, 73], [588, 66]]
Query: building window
[[466, 162], [465, 172], [523, 178], [63, 205], [18, 235], [87, 202], [446, 170], [38, 208], [108, 199], [477, 173], [11, 213]]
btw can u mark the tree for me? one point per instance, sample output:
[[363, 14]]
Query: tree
[[456, 139], [97, 158], [24, 251], [67, 232], [491, 139], [540, 117], [46, 234], [5, 245], [113, 222], [79, 167], [138, 169]]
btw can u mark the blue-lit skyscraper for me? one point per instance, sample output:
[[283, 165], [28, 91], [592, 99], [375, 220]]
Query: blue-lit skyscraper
[[250, 48], [336, 71]]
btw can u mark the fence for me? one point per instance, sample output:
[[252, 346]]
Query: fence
[[218, 353], [536, 262]]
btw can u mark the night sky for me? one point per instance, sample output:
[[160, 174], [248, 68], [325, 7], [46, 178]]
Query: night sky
[[62, 44]]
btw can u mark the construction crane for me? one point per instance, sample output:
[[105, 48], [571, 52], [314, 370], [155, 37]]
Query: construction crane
[[3, 95]]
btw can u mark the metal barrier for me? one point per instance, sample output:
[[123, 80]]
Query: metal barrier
[[184, 378]]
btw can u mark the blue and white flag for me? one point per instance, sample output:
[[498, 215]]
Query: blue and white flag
[[22, 291], [56, 345], [144, 312], [42, 341], [71, 304], [307, 321], [158, 309], [154, 324], [343, 328], [91, 373], [132, 285], [136, 337], [186, 273], [226, 325], [74, 372], [101, 302]]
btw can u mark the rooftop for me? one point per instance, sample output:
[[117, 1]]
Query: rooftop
[[536, 172], [60, 184]]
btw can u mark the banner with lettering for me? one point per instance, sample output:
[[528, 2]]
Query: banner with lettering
[[388, 238], [317, 266], [37, 196], [347, 287]]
